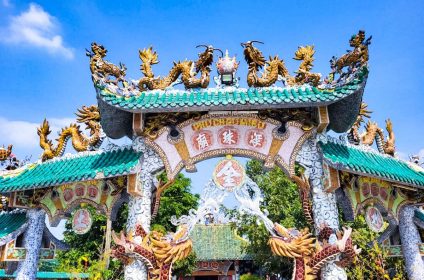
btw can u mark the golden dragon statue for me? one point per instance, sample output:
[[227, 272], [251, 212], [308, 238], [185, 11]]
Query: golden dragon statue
[[309, 256], [303, 74], [102, 68], [5, 153], [276, 69], [157, 251], [373, 132], [357, 57], [90, 116], [187, 70]]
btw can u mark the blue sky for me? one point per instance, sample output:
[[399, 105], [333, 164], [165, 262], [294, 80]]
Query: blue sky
[[45, 71]]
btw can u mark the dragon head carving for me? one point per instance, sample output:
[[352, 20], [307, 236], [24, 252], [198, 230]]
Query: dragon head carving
[[291, 242], [205, 57], [304, 52], [90, 116], [357, 39], [99, 50], [252, 54]]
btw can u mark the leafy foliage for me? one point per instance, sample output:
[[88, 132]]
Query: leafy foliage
[[281, 201], [373, 262]]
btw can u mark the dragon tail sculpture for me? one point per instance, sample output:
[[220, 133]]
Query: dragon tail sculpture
[[309, 257], [156, 251], [187, 70], [304, 191], [90, 116], [274, 67]]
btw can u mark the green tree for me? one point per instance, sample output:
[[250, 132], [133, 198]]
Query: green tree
[[281, 201], [373, 262], [86, 251]]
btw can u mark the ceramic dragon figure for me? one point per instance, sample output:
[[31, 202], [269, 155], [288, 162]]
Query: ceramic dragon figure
[[156, 251], [372, 132], [309, 256], [303, 74], [187, 70], [102, 68], [354, 58], [5, 153], [274, 67], [90, 116]]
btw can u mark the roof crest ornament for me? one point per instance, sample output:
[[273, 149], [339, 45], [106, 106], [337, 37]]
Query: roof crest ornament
[[195, 75]]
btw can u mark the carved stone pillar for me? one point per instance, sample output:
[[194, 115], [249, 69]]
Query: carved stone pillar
[[139, 207], [324, 205], [27, 269], [410, 238]]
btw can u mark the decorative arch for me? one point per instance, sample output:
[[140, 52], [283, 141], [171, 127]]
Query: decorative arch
[[60, 201], [238, 134]]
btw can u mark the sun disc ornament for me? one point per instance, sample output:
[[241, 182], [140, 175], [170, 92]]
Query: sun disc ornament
[[82, 221], [229, 174], [374, 219]]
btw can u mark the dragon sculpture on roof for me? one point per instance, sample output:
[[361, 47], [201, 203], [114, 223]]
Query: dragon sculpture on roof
[[372, 132], [275, 68], [156, 250], [187, 70], [102, 68], [5, 153], [90, 116], [354, 58]]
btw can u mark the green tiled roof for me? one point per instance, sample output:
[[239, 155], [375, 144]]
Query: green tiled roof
[[48, 275], [360, 161], [73, 168], [218, 99], [217, 242], [11, 221]]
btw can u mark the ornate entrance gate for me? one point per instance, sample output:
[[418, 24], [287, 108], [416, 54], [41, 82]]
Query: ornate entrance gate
[[141, 249]]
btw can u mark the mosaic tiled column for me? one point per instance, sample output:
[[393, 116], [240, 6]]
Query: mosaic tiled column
[[27, 269], [324, 205], [410, 239], [139, 207]]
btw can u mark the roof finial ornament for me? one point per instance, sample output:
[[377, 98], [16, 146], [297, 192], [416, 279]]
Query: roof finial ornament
[[227, 69]]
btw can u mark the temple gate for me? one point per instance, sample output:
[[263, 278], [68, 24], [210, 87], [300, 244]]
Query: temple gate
[[281, 120]]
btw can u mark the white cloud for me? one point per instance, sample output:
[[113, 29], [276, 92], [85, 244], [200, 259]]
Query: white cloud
[[23, 135], [36, 27]]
